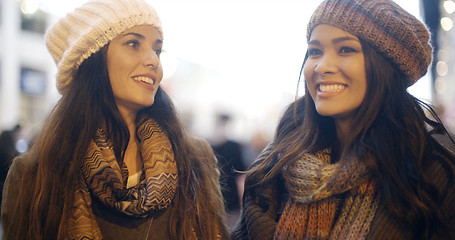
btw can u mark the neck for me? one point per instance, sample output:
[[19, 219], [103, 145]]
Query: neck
[[132, 157], [130, 119], [343, 129]]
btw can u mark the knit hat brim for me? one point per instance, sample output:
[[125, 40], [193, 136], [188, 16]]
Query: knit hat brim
[[385, 26], [90, 27]]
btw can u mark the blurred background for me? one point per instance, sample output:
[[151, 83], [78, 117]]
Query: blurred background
[[231, 66], [240, 58]]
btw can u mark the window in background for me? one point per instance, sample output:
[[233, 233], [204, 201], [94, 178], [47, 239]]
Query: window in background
[[33, 85], [32, 17]]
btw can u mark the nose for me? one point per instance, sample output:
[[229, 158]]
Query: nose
[[151, 59], [326, 65]]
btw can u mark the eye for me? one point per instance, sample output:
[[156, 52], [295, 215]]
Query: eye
[[158, 52], [314, 52], [133, 43], [345, 50]]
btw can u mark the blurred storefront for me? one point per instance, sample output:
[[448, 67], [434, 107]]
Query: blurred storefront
[[27, 91], [254, 91], [442, 18]]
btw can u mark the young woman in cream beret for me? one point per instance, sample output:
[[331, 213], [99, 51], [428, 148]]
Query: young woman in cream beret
[[113, 160], [355, 157]]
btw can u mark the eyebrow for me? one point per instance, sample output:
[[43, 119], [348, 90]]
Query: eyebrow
[[135, 34], [159, 41], [336, 40]]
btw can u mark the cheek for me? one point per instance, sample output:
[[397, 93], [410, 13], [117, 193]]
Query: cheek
[[113, 68], [159, 73], [116, 85], [308, 71], [115, 77], [116, 73], [362, 79], [363, 91], [118, 62]]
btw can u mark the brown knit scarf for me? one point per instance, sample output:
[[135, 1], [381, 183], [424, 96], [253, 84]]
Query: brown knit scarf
[[316, 210], [105, 177]]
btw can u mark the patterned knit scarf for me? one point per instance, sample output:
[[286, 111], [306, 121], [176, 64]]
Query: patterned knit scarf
[[105, 178], [315, 209]]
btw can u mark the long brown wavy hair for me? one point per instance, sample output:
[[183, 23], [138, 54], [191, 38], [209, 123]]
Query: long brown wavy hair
[[392, 126], [43, 208]]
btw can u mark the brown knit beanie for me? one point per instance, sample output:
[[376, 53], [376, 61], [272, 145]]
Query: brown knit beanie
[[385, 26]]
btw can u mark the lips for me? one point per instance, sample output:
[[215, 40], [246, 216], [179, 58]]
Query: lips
[[144, 79], [331, 88]]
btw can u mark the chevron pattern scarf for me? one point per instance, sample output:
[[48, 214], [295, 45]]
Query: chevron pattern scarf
[[315, 209], [105, 177]]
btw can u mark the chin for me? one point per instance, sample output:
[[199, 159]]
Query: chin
[[147, 105], [325, 112]]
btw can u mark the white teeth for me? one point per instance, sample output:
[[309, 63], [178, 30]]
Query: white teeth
[[331, 88], [144, 79]]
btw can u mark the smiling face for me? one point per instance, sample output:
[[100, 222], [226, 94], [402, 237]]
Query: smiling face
[[134, 67], [335, 72]]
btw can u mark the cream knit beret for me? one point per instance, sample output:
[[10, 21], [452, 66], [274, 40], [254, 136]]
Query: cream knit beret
[[385, 26], [88, 28]]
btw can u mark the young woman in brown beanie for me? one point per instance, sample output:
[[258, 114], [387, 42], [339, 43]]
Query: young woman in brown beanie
[[355, 157], [113, 160]]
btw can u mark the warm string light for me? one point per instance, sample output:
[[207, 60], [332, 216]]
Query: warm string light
[[449, 6], [29, 7], [446, 22], [442, 66]]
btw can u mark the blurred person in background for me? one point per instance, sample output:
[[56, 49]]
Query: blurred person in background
[[114, 160], [231, 163], [8, 151], [355, 157]]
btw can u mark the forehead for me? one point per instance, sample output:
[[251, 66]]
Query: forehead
[[148, 31], [327, 32]]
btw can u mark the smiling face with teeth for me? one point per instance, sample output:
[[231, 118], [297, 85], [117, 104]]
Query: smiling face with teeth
[[335, 72], [134, 68]]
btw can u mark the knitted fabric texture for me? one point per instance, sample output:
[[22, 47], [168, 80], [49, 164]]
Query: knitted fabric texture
[[314, 187], [259, 213], [263, 204], [105, 178], [88, 28], [386, 27]]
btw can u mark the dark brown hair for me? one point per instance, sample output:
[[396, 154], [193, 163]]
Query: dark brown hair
[[392, 126], [44, 207]]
